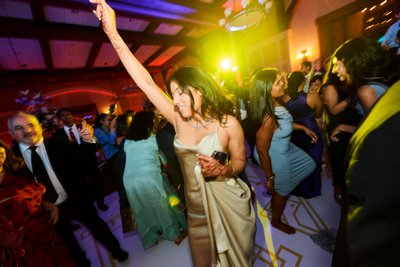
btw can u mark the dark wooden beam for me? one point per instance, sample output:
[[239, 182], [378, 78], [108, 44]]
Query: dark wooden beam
[[190, 20], [152, 27], [155, 55], [46, 52], [183, 32], [19, 28], [94, 52], [181, 55], [39, 18], [19, 79]]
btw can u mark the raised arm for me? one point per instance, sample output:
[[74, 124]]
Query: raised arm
[[135, 69]]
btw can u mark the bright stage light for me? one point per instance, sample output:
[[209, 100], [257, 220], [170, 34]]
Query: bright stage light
[[226, 64]]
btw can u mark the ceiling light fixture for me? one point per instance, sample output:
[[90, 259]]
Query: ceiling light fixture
[[251, 14]]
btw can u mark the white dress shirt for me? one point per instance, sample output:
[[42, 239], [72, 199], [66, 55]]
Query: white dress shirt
[[75, 131], [41, 150]]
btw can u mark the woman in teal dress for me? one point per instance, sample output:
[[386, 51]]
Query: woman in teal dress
[[157, 216], [284, 164]]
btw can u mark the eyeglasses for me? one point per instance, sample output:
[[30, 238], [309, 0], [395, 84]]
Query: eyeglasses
[[20, 128]]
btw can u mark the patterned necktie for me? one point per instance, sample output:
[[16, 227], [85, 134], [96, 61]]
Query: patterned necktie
[[72, 135], [41, 175]]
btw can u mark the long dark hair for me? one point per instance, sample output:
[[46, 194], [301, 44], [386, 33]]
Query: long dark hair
[[141, 126], [99, 118], [260, 100], [294, 80], [216, 103], [365, 61]]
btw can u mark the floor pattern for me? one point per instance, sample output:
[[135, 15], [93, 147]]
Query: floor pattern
[[273, 248]]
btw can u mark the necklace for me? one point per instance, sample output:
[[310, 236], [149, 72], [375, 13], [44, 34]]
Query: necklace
[[198, 125]]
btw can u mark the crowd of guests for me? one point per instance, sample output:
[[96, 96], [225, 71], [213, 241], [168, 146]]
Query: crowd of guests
[[179, 167]]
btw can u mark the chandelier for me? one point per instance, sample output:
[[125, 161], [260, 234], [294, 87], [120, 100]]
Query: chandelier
[[250, 13]]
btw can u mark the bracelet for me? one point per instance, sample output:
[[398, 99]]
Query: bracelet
[[271, 178]]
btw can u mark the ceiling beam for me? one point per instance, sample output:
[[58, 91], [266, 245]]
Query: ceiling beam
[[22, 79], [38, 16], [181, 55], [194, 20], [155, 55], [94, 52], [19, 28]]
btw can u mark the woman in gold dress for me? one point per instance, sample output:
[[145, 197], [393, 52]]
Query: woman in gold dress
[[221, 219]]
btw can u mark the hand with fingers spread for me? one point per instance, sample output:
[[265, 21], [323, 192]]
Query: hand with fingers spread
[[86, 132]]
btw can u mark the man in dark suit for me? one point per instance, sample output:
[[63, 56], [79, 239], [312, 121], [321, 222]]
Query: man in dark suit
[[71, 131], [61, 168]]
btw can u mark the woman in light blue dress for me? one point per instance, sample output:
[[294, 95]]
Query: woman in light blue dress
[[284, 164], [156, 216]]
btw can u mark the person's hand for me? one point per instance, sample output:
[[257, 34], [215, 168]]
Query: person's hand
[[313, 136], [106, 15], [270, 185], [54, 211], [86, 131], [334, 134], [210, 167]]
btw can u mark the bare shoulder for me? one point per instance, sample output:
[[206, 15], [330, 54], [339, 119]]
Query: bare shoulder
[[232, 123], [366, 90], [313, 97], [232, 127]]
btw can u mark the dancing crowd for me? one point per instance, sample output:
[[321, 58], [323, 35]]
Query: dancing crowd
[[179, 165]]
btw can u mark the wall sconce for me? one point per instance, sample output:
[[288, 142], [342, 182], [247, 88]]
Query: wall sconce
[[303, 55]]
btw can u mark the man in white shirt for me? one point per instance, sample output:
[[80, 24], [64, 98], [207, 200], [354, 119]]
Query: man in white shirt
[[63, 172]]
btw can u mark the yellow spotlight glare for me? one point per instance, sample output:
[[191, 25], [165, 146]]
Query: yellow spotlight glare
[[234, 68], [173, 200], [226, 64]]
